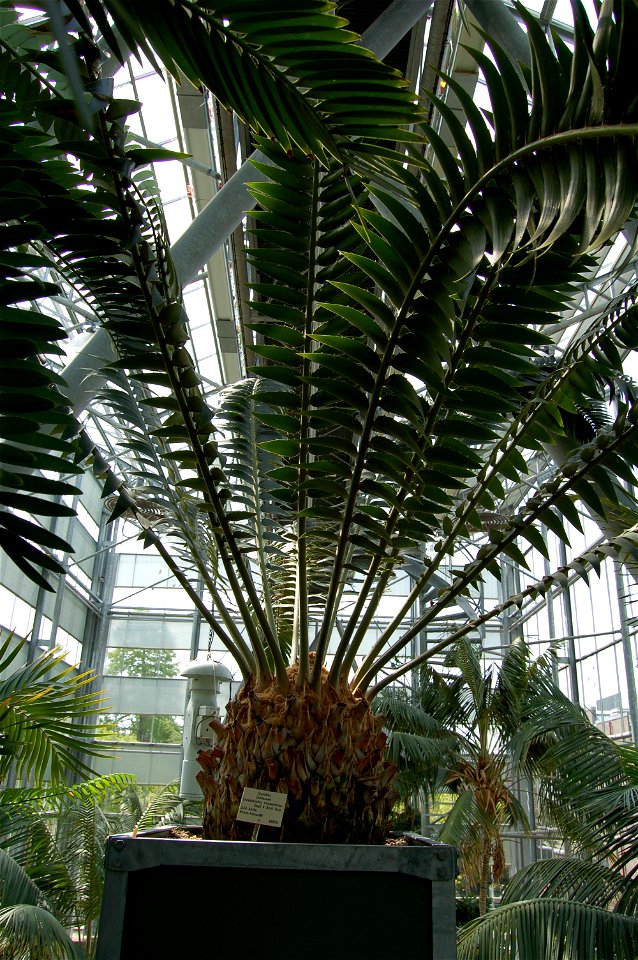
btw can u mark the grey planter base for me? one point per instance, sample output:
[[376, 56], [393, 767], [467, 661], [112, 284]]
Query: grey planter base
[[176, 899]]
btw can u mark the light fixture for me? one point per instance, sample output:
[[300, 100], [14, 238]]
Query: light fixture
[[209, 687]]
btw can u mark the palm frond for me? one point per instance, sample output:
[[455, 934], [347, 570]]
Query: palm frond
[[601, 820], [29, 932], [466, 821], [16, 886], [41, 434], [47, 714], [465, 657], [81, 835], [51, 857], [33, 846], [165, 807], [582, 763], [589, 883], [267, 67], [12, 798], [551, 928], [511, 685], [423, 732]]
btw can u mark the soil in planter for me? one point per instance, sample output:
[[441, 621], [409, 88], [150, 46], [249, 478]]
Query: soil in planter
[[324, 750], [185, 833]]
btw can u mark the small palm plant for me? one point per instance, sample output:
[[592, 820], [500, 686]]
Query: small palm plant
[[47, 717], [51, 888], [52, 860], [582, 906], [47, 711], [506, 730], [480, 734], [408, 280]]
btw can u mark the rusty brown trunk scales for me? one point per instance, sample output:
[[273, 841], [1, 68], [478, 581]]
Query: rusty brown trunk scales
[[324, 750]]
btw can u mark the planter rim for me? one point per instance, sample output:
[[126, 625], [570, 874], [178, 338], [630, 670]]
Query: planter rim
[[425, 859]]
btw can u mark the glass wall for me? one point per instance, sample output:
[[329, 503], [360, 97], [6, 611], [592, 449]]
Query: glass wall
[[69, 614]]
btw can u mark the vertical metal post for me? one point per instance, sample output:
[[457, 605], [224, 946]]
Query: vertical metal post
[[511, 585], [57, 610], [197, 623], [107, 537], [627, 653], [102, 590], [531, 813], [569, 623], [525, 851], [34, 639], [549, 605], [425, 812]]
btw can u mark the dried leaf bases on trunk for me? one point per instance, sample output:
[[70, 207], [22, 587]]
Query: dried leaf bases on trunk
[[324, 750]]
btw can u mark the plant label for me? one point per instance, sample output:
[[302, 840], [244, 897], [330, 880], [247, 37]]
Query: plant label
[[264, 807]]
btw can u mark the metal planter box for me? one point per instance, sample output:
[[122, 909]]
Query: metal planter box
[[176, 899]]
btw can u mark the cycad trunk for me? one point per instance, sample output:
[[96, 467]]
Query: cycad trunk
[[325, 751]]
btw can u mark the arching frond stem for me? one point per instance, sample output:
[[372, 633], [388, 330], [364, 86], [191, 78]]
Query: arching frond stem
[[371, 666], [236, 646], [300, 623]]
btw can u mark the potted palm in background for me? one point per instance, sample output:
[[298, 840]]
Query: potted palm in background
[[46, 739], [407, 286], [473, 739], [54, 814], [581, 905]]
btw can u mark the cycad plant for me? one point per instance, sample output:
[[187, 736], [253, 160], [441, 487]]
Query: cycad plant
[[408, 279]]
